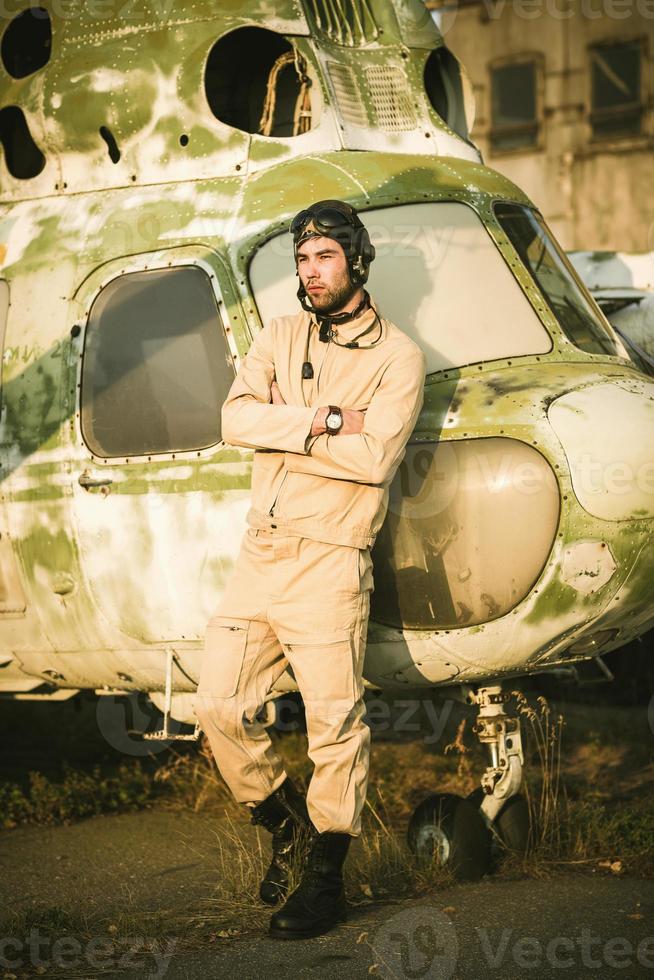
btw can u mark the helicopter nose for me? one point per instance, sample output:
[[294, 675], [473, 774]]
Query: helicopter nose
[[607, 434], [456, 510]]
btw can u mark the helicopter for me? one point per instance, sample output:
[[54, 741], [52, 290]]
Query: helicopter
[[623, 286], [153, 156]]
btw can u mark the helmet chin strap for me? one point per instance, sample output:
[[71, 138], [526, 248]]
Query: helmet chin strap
[[327, 321]]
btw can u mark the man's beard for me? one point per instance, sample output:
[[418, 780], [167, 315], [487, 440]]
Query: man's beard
[[330, 300]]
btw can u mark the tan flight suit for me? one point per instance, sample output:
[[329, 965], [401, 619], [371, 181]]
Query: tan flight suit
[[299, 593]]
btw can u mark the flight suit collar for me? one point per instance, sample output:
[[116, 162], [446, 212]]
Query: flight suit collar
[[348, 331]]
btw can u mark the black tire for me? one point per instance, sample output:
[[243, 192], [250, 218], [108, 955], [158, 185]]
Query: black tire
[[512, 825], [450, 830]]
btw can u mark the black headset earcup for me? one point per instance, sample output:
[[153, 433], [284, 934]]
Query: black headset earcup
[[367, 248], [365, 252], [364, 246]]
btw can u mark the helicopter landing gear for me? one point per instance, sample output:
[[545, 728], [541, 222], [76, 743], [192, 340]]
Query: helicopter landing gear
[[501, 805], [467, 835]]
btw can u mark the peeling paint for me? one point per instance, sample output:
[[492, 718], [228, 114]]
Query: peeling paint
[[113, 574]]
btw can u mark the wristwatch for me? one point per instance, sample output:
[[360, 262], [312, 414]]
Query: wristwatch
[[334, 420]]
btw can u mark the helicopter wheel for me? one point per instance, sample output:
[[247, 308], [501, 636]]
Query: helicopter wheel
[[450, 830], [512, 825]]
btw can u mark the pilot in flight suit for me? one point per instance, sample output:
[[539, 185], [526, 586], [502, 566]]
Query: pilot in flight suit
[[299, 593]]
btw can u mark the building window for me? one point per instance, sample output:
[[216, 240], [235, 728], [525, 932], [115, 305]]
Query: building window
[[514, 121], [616, 105], [156, 366]]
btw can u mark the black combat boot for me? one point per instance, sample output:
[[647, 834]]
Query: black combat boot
[[284, 814], [318, 902]]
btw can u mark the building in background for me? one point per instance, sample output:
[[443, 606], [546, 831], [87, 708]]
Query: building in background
[[565, 108]]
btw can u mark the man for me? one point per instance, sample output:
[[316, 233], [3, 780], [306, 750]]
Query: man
[[328, 399]]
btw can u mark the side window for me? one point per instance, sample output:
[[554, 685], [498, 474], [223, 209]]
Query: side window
[[156, 366], [616, 103], [514, 119]]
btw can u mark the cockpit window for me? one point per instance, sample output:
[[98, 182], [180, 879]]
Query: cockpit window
[[156, 366], [579, 319], [437, 274]]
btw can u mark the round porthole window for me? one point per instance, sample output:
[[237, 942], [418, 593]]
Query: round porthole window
[[256, 81], [449, 91]]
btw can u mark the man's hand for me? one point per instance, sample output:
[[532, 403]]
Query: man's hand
[[277, 398], [352, 422]]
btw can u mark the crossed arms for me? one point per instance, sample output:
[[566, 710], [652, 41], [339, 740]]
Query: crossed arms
[[370, 455]]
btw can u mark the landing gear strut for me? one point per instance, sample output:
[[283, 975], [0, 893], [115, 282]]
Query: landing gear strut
[[465, 835], [501, 734], [503, 808]]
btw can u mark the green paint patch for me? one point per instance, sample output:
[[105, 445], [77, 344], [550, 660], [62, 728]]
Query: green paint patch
[[555, 600]]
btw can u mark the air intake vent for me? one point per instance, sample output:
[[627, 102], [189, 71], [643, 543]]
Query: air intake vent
[[348, 96], [391, 98]]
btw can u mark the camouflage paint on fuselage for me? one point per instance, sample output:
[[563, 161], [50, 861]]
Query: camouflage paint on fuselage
[[113, 576]]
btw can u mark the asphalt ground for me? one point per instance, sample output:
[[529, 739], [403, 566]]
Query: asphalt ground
[[591, 924]]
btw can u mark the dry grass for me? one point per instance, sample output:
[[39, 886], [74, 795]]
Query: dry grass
[[569, 827], [589, 793], [588, 783]]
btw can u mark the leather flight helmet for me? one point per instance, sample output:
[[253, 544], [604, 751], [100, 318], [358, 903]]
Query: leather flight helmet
[[339, 221]]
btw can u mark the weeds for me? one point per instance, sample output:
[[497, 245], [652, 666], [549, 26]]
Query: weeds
[[464, 767], [78, 795], [578, 819], [569, 829], [542, 783], [575, 816]]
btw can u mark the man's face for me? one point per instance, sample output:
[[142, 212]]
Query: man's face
[[322, 267]]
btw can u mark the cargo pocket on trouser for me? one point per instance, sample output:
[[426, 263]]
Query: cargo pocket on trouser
[[328, 672], [222, 660]]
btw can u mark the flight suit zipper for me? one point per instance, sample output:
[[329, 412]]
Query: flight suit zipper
[[271, 512]]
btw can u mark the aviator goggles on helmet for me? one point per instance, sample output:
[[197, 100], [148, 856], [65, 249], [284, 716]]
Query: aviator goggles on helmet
[[325, 219]]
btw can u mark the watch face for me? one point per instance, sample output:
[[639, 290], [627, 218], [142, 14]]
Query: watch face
[[333, 420]]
